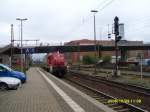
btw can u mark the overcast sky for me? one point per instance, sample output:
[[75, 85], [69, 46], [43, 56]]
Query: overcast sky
[[56, 21]]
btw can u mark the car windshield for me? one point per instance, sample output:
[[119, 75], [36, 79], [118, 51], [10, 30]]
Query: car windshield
[[6, 67]]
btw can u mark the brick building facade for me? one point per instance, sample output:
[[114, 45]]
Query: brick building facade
[[75, 56]]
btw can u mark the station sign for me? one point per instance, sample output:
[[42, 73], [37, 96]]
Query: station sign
[[29, 50]]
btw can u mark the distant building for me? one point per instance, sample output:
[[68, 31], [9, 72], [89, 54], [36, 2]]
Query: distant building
[[5, 58], [75, 56]]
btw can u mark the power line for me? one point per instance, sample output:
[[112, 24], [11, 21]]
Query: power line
[[103, 2], [89, 16], [107, 4], [102, 7]]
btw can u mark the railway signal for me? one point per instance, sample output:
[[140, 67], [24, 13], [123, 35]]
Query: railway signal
[[117, 39]]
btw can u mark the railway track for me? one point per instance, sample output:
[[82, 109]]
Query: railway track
[[132, 88], [106, 99], [122, 106], [104, 70]]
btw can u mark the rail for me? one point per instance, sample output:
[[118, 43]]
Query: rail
[[105, 97], [118, 86]]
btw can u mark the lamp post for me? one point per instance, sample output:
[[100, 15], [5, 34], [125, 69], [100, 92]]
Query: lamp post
[[141, 67], [20, 19], [94, 12], [78, 55], [12, 44]]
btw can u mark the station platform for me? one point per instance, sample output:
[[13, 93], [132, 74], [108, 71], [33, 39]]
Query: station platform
[[45, 93]]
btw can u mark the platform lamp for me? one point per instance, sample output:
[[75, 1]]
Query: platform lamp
[[94, 12], [21, 20]]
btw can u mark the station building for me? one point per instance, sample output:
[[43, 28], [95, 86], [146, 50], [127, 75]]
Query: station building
[[5, 58]]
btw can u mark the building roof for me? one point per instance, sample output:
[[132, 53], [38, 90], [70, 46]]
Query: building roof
[[103, 42], [3, 49]]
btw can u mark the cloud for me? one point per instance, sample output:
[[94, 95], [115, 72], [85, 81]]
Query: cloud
[[64, 20]]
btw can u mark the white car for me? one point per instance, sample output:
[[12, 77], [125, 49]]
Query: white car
[[9, 83]]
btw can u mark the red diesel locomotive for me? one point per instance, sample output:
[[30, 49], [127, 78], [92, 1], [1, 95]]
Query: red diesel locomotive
[[55, 63]]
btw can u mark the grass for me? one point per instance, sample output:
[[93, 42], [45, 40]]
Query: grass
[[125, 78], [134, 80]]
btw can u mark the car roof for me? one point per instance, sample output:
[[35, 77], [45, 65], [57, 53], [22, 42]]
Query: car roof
[[8, 78], [2, 64]]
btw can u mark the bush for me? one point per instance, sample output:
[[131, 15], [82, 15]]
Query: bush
[[89, 60], [106, 59]]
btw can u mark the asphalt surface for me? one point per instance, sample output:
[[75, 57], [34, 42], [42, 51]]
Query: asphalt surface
[[33, 96], [41, 93]]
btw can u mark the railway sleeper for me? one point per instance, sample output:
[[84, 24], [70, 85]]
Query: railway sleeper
[[118, 107], [103, 100], [98, 97], [124, 110], [112, 104]]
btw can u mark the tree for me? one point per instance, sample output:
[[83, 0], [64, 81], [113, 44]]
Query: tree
[[89, 59]]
